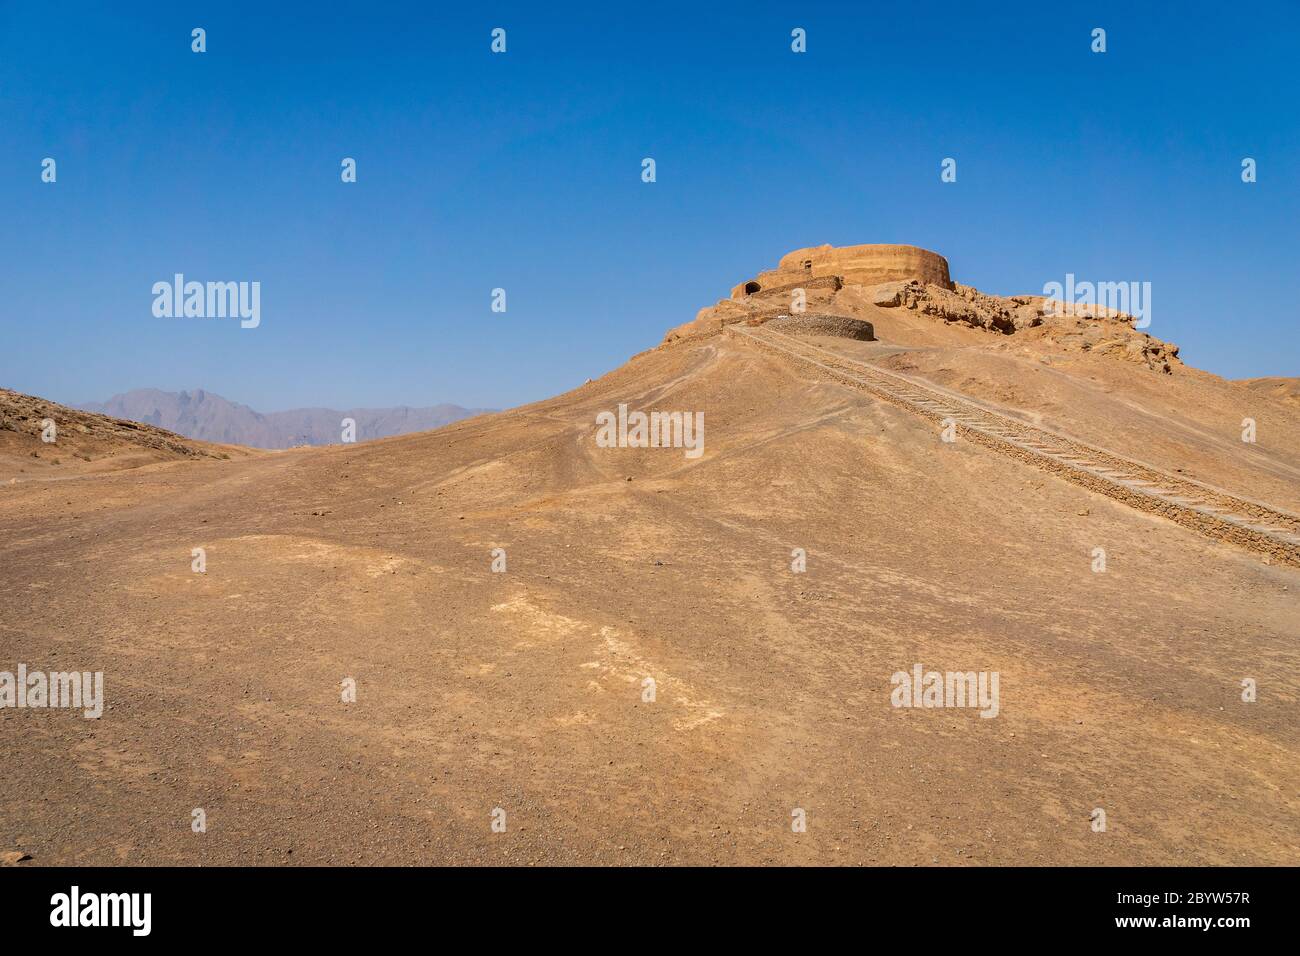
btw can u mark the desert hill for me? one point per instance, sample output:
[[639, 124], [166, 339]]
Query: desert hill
[[209, 417], [875, 283], [525, 689], [1279, 389], [84, 442]]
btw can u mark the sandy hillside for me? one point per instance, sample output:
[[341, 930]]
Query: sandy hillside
[[1280, 389], [523, 690], [80, 443]]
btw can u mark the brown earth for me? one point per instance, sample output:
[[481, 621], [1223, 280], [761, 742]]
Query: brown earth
[[86, 442], [1282, 389], [523, 690]]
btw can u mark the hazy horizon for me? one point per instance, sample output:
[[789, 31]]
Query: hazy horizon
[[85, 403]]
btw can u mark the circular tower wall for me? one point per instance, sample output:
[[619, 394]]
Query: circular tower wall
[[870, 264]]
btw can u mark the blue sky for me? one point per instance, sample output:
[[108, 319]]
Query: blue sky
[[522, 171]]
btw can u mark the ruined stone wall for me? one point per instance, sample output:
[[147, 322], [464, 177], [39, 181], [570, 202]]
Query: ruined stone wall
[[824, 323]]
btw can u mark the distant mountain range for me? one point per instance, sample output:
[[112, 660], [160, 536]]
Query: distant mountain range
[[208, 417]]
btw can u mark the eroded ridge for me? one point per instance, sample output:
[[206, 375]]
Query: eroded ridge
[[1210, 511]]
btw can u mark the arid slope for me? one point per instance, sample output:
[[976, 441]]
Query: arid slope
[[523, 690], [43, 439]]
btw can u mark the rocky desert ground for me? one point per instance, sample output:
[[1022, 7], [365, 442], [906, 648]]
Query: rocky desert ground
[[564, 653]]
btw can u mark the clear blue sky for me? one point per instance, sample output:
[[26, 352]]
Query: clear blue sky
[[522, 171]]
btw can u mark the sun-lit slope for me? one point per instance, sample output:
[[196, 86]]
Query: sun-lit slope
[[1097, 378], [1284, 390], [43, 439], [1190, 422], [524, 690]]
